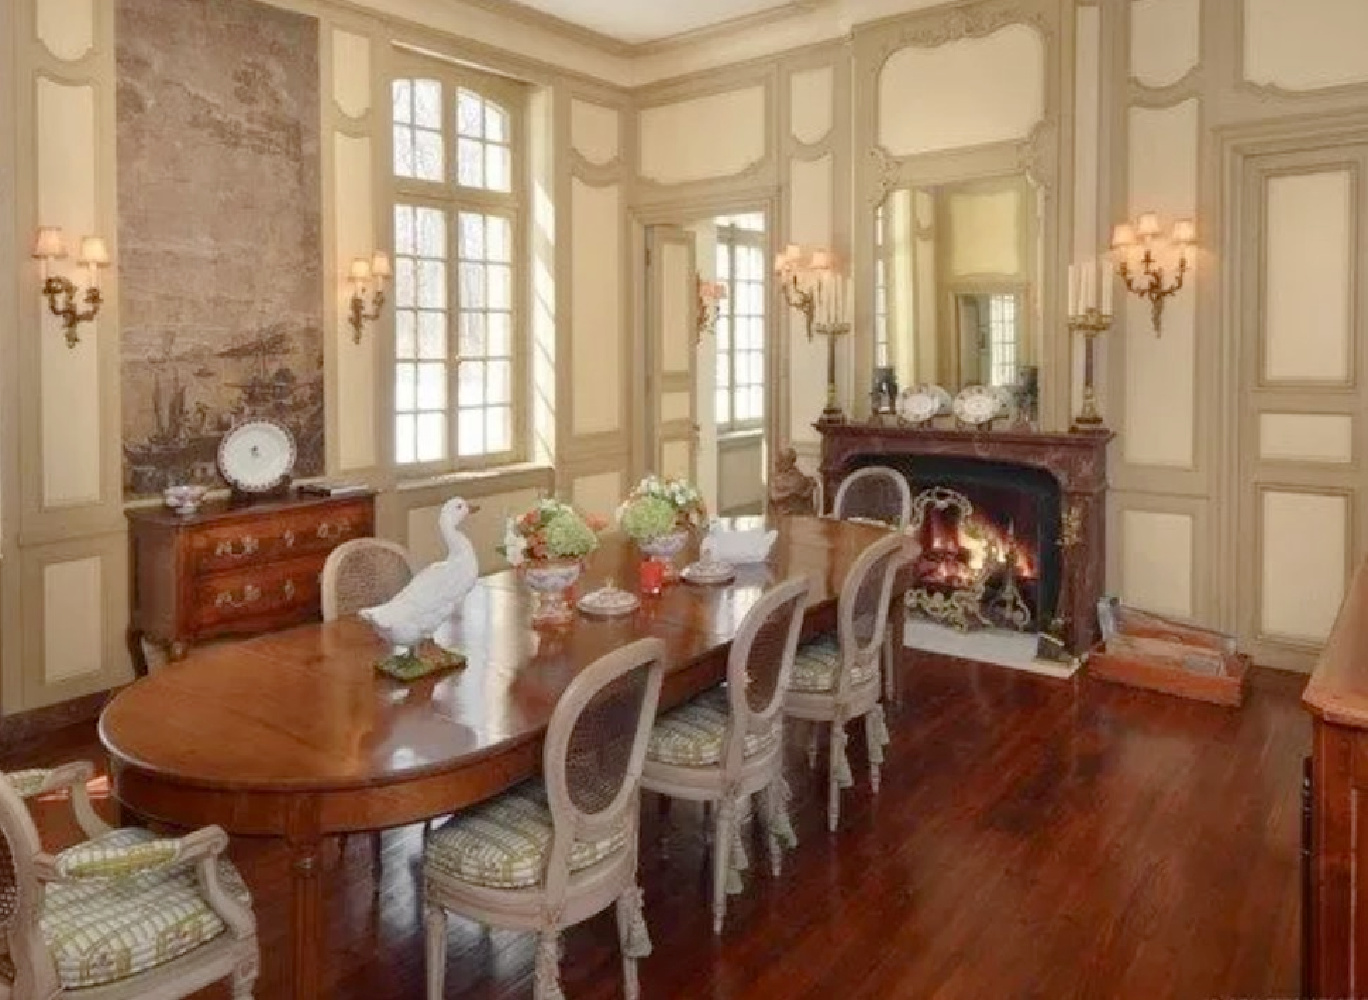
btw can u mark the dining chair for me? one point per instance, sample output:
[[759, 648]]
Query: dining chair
[[876, 494], [727, 744], [555, 851], [362, 573], [125, 915], [836, 680]]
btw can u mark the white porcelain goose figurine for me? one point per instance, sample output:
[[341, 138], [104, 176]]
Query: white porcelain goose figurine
[[434, 596]]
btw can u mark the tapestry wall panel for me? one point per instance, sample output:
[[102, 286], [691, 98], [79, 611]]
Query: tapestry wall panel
[[220, 256]]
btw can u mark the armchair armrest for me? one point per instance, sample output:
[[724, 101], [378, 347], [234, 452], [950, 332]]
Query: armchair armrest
[[73, 777]]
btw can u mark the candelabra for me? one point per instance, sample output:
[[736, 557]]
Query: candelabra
[[832, 413], [1092, 323], [1143, 236], [814, 288]]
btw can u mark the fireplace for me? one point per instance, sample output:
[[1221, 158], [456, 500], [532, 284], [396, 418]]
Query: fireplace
[[989, 537], [1012, 524]]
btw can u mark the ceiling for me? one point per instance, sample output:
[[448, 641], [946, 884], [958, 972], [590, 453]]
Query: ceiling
[[638, 21]]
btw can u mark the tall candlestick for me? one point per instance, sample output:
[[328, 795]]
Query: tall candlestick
[[1108, 285]]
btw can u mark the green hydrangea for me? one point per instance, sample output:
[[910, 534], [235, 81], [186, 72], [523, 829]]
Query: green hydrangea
[[569, 537], [647, 518]]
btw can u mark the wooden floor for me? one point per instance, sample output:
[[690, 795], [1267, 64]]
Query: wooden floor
[[1033, 838]]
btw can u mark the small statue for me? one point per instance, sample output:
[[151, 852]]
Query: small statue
[[791, 490]]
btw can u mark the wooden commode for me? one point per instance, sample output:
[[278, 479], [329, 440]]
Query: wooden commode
[[233, 570]]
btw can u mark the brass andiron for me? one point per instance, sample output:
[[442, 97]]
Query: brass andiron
[[1091, 324]]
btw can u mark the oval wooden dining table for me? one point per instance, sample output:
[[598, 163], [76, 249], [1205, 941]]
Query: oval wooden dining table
[[296, 736]]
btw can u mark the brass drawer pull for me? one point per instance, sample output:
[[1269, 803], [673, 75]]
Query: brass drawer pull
[[328, 531], [228, 548], [289, 539], [289, 590], [250, 595]]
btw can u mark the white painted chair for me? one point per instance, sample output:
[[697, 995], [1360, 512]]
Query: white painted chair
[[837, 680], [555, 851], [126, 915], [728, 744], [874, 495]]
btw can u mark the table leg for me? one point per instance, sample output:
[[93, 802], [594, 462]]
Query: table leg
[[306, 913]]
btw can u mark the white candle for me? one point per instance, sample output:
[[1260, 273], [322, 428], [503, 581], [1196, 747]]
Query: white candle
[[1108, 284]]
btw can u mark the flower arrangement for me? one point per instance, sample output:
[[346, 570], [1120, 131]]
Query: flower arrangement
[[647, 519], [551, 531], [683, 497]]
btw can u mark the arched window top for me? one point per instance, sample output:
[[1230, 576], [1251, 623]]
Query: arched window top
[[431, 118], [484, 158]]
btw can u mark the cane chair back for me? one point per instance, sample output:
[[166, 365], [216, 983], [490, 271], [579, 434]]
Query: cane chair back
[[596, 748], [876, 493], [21, 899], [760, 664], [362, 573], [862, 611]]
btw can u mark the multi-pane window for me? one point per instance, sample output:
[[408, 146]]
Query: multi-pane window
[[883, 354], [1002, 339], [456, 246], [740, 383]]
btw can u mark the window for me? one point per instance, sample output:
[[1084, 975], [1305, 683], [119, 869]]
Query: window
[[740, 383], [883, 353], [457, 239], [1002, 339]]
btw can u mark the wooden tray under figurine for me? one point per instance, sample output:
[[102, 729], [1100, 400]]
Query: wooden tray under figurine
[[422, 661], [1154, 666]]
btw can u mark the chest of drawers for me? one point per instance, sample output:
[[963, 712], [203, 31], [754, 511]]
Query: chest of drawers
[[233, 570]]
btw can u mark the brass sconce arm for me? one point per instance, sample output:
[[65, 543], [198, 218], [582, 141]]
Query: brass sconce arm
[[368, 275], [360, 316], [56, 288], [803, 301], [1149, 284]]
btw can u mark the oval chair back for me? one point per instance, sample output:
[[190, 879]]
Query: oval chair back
[[595, 750], [862, 611], [362, 573], [874, 494], [759, 666]]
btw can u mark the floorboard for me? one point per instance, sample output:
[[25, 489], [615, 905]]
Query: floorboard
[[1033, 839]]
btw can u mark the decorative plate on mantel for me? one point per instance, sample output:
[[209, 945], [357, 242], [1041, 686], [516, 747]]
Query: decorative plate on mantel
[[977, 404], [916, 405]]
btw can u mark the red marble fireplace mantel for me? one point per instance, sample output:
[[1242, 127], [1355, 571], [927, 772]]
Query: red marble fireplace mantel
[[1077, 461]]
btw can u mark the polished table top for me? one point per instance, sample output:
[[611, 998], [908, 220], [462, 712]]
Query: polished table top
[[305, 710]]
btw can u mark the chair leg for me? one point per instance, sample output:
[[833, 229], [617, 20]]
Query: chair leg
[[814, 736], [778, 827], [435, 923], [244, 978], [891, 660], [838, 773], [876, 738], [377, 846], [546, 982], [721, 859], [633, 938]]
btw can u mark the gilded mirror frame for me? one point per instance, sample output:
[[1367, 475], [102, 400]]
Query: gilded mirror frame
[[1039, 155]]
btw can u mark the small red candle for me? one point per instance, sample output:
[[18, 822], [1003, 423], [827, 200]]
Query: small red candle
[[652, 577]]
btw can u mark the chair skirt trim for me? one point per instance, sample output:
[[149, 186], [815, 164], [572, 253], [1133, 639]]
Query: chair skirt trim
[[822, 706]]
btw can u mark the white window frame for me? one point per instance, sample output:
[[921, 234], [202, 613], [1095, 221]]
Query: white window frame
[[453, 199], [727, 238]]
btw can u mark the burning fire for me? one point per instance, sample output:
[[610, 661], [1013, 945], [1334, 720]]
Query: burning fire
[[956, 552]]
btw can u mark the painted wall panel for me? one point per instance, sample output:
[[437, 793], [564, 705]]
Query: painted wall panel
[[675, 460], [810, 212], [812, 104], [594, 132], [675, 406], [706, 137], [73, 619], [677, 312], [351, 73], [484, 528], [1308, 277], [985, 233], [1157, 561], [1087, 172], [987, 90], [1159, 423], [65, 27], [356, 374], [1306, 437], [66, 160], [599, 494], [1304, 538], [741, 478], [1165, 40], [596, 316], [1306, 44]]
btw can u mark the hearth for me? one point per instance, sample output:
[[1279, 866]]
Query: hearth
[[989, 536], [1030, 506]]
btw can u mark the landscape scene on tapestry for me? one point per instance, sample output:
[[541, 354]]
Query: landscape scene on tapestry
[[221, 297]]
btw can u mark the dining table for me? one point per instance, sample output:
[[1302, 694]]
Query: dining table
[[296, 735]]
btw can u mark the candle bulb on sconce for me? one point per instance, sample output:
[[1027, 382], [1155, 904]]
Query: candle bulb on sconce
[[363, 274], [60, 291]]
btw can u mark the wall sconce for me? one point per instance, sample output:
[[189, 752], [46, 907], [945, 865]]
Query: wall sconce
[[61, 291], [1142, 245], [362, 273], [813, 285], [711, 295]]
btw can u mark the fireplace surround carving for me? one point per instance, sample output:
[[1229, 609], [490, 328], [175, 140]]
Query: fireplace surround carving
[[1076, 462]]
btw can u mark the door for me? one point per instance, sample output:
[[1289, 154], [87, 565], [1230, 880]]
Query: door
[[671, 275], [1303, 273]]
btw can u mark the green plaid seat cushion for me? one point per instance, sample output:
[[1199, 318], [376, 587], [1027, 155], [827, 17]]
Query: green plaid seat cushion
[[106, 929], [503, 843], [819, 661], [691, 735]]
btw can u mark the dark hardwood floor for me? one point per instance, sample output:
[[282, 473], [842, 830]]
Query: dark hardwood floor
[[1033, 839]]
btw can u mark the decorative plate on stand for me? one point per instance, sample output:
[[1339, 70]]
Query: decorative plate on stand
[[976, 405], [916, 405], [257, 457]]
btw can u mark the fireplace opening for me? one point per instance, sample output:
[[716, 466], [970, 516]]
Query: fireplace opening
[[989, 536]]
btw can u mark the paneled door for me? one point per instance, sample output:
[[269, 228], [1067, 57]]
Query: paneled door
[[671, 273], [1302, 259]]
